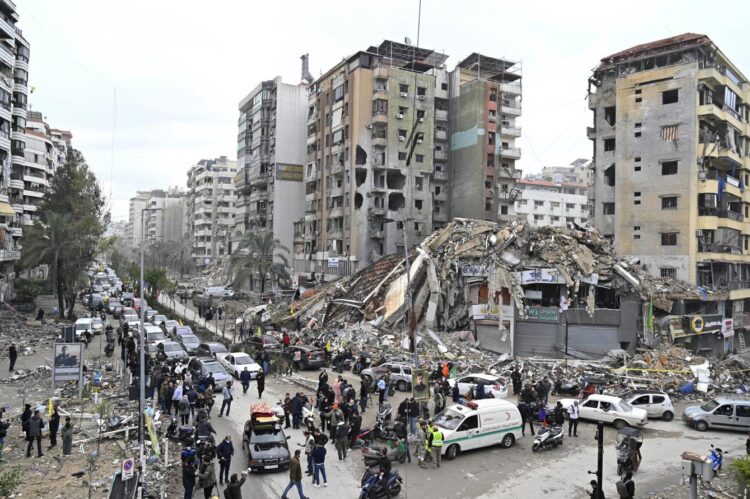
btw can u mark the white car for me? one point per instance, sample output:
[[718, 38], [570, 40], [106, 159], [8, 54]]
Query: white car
[[154, 334], [656, 403], [494, 385], [236, 362], [609, 409], [97, 325]]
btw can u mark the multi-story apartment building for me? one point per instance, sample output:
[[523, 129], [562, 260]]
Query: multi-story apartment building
[[578, 172], [134, 227], [485, 102], [371, 157], [14, 75], [41, 162], [671, 140], [61, 140], [211, 207], [549, 203], [271, 157], [166, 219]]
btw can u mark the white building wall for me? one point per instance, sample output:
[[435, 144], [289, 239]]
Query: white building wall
[[546, 207]]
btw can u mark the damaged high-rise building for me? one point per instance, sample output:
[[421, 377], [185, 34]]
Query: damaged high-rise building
[[380, 169], [671, 165]]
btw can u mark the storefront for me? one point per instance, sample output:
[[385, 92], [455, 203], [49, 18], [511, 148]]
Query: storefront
[[700, 333]]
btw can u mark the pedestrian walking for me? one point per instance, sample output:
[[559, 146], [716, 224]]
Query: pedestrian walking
[[176, 398], [184, 410], [525, 411], [234, 488], [295, 477], [54, 425], [364, 388], [298, 403], [573, 415], [309, 446], [297, 360], [517, 380], [412, 413], [208, 395], [188, 478], [12, 356], [319, 465], [226, 392], [435, 439], [626, 486], [36, 424], [224, 452], [25, 417], [192, 396], [558, 414], [261, 380], [287, 410], [381, 390], [207, 477], [543, 389], [67, 437], [419, 447], [266, 363], [342, 439], [245, 377], [596, 491]]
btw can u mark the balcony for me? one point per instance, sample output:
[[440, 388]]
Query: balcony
[[441, 155], [511, 152], [377, 234], [380, 117], [441, 135], [30, 207], [510, 110], [335, 234], [715, 212], [382, 72], [16, 231], [724, 113], [441, 114], [18, 111], [21, 88], [7, 56], [379, 92], [7, 28], [439, 176], [379, 141], [374, 211], [336, 212], [591, 132], [719, 248], [510, 131], [313, 196], [15, 184], [510, 88], [311, 118], [33, 194]]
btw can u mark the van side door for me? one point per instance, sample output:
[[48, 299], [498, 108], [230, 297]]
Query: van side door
[[469, 433], [742, 415]]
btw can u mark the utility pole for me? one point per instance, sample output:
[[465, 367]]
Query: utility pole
[[600, 455], [142, 367], [410, 319]]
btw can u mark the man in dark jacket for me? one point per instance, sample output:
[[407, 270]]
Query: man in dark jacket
[[245, 377], [36, 423], [629, 485], [528, 395], [456, 394], [525, 411], [412, 414], [287, 410], [25, 417], [543, 388], [261, 380], [224, 452], [54, 425], [12, 356], [517, 378], [297, 403], [234, 488], [295, 477], [188, 478], [558, 414]]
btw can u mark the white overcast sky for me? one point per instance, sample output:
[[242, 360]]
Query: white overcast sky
[[181, 67]]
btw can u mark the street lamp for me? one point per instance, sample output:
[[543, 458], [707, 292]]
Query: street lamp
[[142, 357]]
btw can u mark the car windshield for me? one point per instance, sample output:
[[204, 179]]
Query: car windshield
[[214, 367], [217, 348], [155, 336], [97, 321], [625, 406], [710, 406], [243, 360], [190, 340], [449, 419], [172, 347], [267, 437], [160, 318]]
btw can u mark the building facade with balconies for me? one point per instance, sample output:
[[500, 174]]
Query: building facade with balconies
[[671, 164], [270, 160], [134, 229], [211, 208], [166, 218], [14, 75], [556, 204], [485, 104]]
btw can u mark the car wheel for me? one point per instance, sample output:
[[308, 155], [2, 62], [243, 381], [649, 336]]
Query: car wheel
[[620, 424], [401, 386], [668, 416], [451, 452], [507, 441], [535, 447], [701, 426]]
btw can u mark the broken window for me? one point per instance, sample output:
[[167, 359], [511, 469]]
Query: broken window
[[610, 115], [669, 203], [670, 96], [403, 88], [609, 144], [668, 272], [358, 200], [395, 180], [420, 158], [669, 168], [401, 134], [669, 238], [418, 205], [609, 175], [360, 156], [418, 182], [396, 201], [401, 156], [421, 92], [360, 175], [608, 208], [488, 204], [504, 209]]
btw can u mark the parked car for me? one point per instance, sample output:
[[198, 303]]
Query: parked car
[[154, 334], [116, 310], [150, 314], [267, 341], [236, 362], [182, 331], [609, 409], [189, 342], [400, 374], [112, 305], [97, 325], [210, 349], [725, 413], [157, 319], [174, 350], [494, 385], [657, 403], [312, 357], [201, 366], [170, 325]]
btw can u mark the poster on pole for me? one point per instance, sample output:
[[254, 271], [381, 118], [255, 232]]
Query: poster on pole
[[68, 361], [420, 387]]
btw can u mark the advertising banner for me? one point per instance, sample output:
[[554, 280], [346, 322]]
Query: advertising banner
[[67, 361]]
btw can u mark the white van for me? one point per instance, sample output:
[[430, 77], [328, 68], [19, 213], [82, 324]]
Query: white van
[[478, 423], [218, 291], [82, 325]]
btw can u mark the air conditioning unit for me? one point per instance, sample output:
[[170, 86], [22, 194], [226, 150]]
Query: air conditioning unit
[[421, 120], [368, 126], [699, 233], [401, 138], [404, 94], [701, 175], [400, 116], [421, 97], [419, 141]]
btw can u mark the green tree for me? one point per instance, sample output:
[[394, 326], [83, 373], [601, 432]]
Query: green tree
[[259, 252], [156, 279], [73, 218], [180, 255]]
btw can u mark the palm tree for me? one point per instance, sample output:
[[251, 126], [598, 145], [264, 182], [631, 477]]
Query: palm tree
[[46, 244], [256, 253]]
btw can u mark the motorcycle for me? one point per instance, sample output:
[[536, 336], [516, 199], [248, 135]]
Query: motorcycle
[[566, 387], [547, 437], [205, 448], [628, 446], [308, 417], [363, 362], [374, 488], [177, 433], [371, 453], [716, 456], [109, 349]]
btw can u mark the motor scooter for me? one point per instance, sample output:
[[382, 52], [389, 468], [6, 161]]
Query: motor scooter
[[374, 488], [547, 437]]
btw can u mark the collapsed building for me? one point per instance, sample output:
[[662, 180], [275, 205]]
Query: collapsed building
[[549, 292]]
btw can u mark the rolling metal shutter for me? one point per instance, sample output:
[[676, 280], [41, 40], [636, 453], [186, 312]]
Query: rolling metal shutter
[[536, 339], [592, 341]]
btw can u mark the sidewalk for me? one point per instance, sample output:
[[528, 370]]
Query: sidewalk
[[186, 311]]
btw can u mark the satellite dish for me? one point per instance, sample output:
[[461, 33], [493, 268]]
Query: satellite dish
[[407, 41]]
